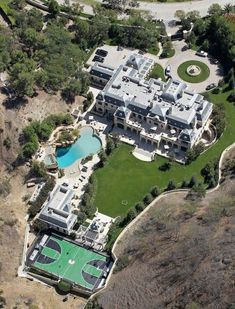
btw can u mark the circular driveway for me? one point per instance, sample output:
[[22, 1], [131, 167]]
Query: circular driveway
[[180, 56]]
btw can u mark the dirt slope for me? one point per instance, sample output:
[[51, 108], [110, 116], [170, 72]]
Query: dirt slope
[[18, 292], [180, 255]]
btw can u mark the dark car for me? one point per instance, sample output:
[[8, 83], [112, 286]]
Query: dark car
[[98, 59], [211, 86], [101, 52]]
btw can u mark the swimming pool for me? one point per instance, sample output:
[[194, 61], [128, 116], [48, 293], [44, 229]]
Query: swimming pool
[[86, 144]]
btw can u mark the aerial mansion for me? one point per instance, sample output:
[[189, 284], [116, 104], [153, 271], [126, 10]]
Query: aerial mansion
[[162, 114]]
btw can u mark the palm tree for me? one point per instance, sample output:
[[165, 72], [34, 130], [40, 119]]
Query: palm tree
[[228, 8]]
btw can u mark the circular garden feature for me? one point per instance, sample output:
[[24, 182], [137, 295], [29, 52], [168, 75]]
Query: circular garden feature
[[193, 71]]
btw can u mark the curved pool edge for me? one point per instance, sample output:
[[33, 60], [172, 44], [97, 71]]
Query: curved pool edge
[[77, 161]]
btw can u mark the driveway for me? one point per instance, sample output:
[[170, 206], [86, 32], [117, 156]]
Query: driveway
[[182, 56]]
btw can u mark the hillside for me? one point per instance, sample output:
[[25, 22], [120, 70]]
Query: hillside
[[178, 255]]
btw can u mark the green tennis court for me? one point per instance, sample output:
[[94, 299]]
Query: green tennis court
[[69, 261]]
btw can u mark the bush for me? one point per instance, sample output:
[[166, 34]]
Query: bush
[[165, 167], [148, 199], [184, 184], [231, 98], [122, 263], [155, 191], [194, 152], [197, 192], [216, 90], [193, 182], [139, 207], [5, 188], [43, 195], [7, 142], [171, 185]]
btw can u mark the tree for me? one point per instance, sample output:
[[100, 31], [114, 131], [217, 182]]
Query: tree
[[194, 152], [148, 199], [180, 14], [193, 15], [184, 184], [228, 8], [206, 45], [155, 191], [199, 27], [197, 192], [110, 146], [130, 215], [38, 169], [193, 182], [139, 207], [103, 158], [171, 185], [215, 9], [81, 217], [53, 8], [71, 90]]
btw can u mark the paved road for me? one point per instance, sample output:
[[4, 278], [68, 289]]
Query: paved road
[[166, 11]]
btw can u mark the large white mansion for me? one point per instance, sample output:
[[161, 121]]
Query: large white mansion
[[160, 113]]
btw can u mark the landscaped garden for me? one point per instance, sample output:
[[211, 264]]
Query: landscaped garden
[[157, 72], [125, 180], [193, 71]]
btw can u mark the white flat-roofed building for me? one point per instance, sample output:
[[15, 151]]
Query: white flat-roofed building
[[161, 113], [57, 210]]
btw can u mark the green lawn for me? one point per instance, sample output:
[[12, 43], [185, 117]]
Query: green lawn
[[7, 10], [126, 178], [182, 71], [157, 72]]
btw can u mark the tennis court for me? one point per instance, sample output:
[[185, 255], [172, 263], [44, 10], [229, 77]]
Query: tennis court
[[69, 261]]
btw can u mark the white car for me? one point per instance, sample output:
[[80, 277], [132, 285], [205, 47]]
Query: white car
[[201, 53]]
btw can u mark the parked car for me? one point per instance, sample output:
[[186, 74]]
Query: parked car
[[168, 70], [201, 53], [214, 61], [211, 86], [101, 52], [185, 47], [98, 59]]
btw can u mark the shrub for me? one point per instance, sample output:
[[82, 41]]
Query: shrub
[[122, 263], [194, 152], [155, 191], [171, 185], [193, 182], [7, 142], [231, 98], [5, 188], [139, 207], [165, 167], [148, 199], [184, 184]]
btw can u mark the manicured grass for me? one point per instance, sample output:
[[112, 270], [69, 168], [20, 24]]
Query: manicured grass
[[153, 50], [126, 178], [157, 72], [7, 10], [182, 71]]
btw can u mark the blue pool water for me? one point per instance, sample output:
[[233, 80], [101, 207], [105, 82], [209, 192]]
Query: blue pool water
[[85, 145]]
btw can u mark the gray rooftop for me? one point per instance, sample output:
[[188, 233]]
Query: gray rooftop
[[57, 210], [170, 101]]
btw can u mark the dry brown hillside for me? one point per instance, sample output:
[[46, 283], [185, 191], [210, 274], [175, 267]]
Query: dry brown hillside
[[18, 292], [180, 254]]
